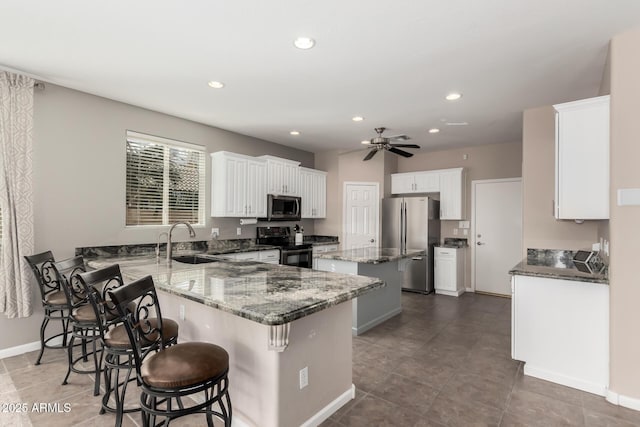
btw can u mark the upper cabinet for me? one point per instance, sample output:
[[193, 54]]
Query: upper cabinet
[[283, 176], [451, 184], [313, 190], [415, 182], [452, 193], [238, 185], [582, 159]]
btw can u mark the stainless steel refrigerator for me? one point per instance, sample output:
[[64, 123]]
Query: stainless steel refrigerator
[[413, 223]]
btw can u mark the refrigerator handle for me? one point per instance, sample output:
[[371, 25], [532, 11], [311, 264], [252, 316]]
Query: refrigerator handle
[[404, 234]]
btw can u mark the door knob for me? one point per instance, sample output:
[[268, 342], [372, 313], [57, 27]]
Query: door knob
[[479, 243]]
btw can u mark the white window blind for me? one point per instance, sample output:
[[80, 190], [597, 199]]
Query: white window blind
[[165, 181]]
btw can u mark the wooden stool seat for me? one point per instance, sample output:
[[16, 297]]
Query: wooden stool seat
[[185, 365]]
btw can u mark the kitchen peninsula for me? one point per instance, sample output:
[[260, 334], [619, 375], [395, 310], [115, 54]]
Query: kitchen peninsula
[[274, 321], [387, 264]]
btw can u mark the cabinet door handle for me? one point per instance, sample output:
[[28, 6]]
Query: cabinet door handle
[[479, 243]]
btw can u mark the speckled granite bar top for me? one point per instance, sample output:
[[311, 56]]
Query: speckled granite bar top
[[370, 255], [264, 293], [555, 264]]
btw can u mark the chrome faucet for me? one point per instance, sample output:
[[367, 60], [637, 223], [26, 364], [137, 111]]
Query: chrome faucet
[[158, 245], [192, 234]]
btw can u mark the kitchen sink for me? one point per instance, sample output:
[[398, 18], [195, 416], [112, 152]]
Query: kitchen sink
[[193, 259]]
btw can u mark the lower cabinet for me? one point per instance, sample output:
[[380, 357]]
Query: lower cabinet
[[320, 249], [449, 271], [560, 329], [269, 257]]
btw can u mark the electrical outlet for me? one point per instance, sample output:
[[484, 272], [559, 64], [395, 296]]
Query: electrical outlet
[[239, 231], [304, 377], [181, 314], [455, 231], [215, 232]]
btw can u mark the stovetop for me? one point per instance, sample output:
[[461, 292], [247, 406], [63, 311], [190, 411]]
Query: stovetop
[[278, 236]]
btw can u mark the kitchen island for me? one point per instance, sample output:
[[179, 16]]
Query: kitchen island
[[274, 321], [560, 321], [387, 264]]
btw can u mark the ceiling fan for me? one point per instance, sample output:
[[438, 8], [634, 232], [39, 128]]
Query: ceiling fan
[[383, 143]]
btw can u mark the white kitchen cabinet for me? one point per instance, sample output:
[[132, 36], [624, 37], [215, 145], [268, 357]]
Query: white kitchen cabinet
[[313, 190], [269, 256], [283, 176], [321, 249], [582, 159], [415, 182], [238, 185], [449, 271], [452, 194], [560, 329]]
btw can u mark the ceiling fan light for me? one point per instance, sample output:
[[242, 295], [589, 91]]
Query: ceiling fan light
[[365, 141]]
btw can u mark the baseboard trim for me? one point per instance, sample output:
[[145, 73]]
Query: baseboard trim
[[590, 387], [375, 322], [19, 349], [331, 408], [26, 348], [621, 400]]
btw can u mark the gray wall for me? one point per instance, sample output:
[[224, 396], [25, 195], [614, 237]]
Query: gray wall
[[79, 177]]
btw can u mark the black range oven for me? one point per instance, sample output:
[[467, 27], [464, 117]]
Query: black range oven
[[290, 253]]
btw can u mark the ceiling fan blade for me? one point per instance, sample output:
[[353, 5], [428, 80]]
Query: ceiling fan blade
[[370, 155], [400, 152], [405, 145], [399, 138]]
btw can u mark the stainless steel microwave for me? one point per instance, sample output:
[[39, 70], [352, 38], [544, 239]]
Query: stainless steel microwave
[[283, 208]]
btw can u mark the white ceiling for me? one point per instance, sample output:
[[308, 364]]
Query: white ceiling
[[391, 61]]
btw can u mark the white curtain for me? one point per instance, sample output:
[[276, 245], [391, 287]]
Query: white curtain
[[16, 193]]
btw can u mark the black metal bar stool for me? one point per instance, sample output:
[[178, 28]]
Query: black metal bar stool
[[54, 300], [118, 354], [167, 374], [84, 325]]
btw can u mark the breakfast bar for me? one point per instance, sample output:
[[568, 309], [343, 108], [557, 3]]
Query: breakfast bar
[[287, 330]]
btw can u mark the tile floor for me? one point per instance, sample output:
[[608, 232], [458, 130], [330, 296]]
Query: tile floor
[[443, 362]]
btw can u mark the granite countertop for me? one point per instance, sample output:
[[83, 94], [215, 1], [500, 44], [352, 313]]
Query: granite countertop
[[555, 264], [264, 293], [370, 255]]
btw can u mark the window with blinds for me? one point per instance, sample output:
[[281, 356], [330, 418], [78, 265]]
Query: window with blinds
[[165, 181]]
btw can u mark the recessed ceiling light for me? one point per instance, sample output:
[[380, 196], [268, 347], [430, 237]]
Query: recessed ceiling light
[[365, 141], [294, 132], [304, 42], [453, 96], [357, 118], [434, 130], [216, 85]]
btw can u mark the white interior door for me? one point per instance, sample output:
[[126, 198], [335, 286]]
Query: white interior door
[[497, 235], [361, 214]]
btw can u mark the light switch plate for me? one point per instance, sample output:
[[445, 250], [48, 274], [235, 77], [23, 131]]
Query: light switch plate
[[629, 197]]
